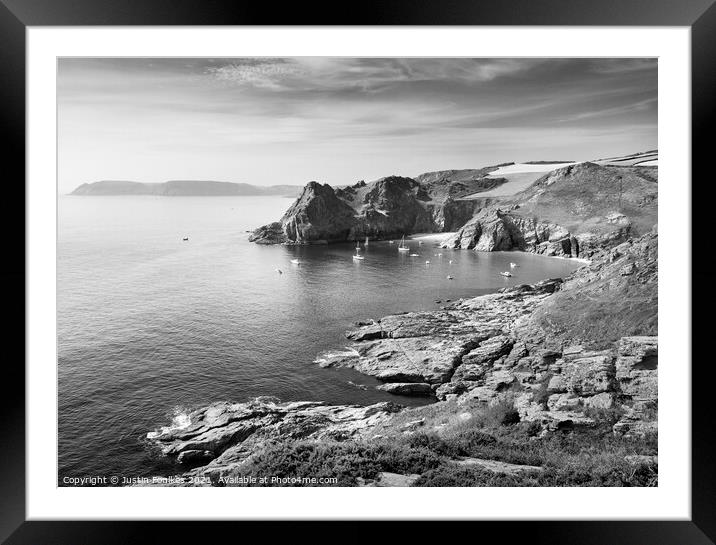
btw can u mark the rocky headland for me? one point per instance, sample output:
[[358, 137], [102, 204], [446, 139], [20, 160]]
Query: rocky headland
[[182, 188], [572, 211]]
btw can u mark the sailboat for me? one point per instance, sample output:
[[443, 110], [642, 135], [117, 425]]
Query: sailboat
[[366, 241], [357, 255], [403, 247]]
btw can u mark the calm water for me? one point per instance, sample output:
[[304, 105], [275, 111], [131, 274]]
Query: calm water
[[150, 325]]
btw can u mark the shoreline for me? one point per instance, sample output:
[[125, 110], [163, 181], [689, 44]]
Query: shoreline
[[480, 350]]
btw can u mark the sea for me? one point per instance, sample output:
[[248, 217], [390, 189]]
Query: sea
[[151, 325]]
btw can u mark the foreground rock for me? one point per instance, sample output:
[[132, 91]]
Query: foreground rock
[[228, 433]]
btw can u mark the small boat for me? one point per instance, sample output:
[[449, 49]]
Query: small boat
[[185, 239], [450, 262], [403, 247], [279, 271], [513, 265], [358, 257], [295, 262], [506, 273], [366, 241], [449, 277], [427, 262], [391, 242], [420, 243], [414, 255]]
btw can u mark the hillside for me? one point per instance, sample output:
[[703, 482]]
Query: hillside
[[570, 211], [184, 188]]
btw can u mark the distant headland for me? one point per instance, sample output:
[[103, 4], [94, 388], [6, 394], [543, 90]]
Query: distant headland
[[184, 188]]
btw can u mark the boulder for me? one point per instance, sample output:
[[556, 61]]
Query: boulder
[[407, 388]]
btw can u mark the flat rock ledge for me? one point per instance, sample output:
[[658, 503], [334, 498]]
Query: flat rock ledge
[[427, 347]]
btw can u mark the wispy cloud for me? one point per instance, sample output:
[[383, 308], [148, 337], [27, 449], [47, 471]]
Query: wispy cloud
[[264, 120]]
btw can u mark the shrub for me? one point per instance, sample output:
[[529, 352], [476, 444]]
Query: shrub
[[502, 413], [345, 461]]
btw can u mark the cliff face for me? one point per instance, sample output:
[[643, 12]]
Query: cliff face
[[572, 211]]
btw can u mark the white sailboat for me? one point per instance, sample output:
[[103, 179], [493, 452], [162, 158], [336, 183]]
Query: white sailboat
[[366, 241], [403, 247], [357, 256]]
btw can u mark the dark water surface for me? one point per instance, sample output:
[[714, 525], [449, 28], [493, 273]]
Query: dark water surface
[[150, 325]]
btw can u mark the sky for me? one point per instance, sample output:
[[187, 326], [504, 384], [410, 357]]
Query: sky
[[336, 120]]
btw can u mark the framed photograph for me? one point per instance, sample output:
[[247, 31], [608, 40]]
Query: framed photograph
[[396, 264]]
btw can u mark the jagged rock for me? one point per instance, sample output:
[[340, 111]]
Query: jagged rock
[[366, 332], [488, 350], [407, 388], [269, 234], [195, 456], [516, 355], [230, 432]]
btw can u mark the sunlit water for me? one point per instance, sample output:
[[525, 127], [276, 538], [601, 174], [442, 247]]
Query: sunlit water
[[150, 325]]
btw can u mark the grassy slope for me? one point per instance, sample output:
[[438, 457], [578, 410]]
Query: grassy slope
[[599, 304], [579, 197], [449, 432]]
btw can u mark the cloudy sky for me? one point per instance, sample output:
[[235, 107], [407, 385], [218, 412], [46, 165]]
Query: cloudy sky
[[337, 120]]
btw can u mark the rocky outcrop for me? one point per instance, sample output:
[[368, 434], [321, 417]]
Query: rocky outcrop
[[427, 347], [386, 208], [318, 215], [228, 433]]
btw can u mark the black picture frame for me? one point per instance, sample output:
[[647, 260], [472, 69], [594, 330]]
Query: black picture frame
[[17, 15]]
